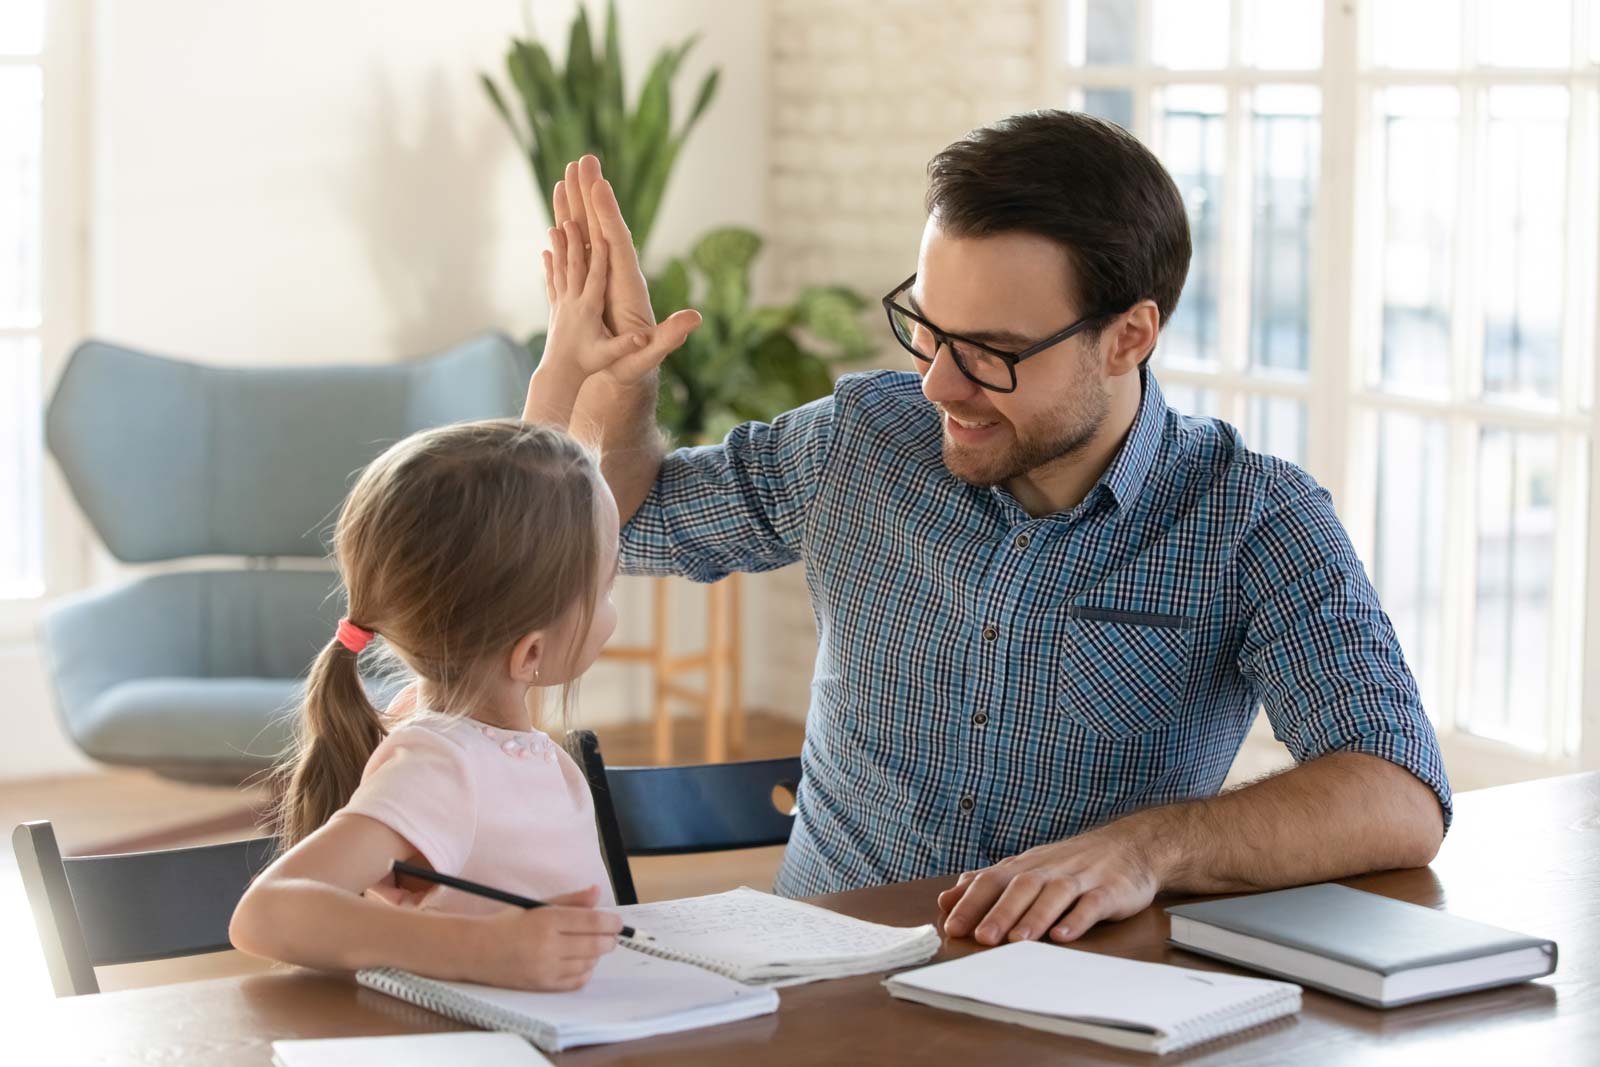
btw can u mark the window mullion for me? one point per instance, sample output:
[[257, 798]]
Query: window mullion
[[1457, 595], [1333, 310]]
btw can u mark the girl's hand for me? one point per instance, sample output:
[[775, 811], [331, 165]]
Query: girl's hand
[[575, 273], [551, 949], [580, 345]]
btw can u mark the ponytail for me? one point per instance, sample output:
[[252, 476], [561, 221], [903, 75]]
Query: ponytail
[[338, 730]]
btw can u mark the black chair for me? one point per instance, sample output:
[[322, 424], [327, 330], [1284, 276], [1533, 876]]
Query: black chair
[[664, 811], [94, 911]]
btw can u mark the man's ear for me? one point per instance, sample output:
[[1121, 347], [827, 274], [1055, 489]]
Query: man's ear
[[527, 658], [1132, 338]]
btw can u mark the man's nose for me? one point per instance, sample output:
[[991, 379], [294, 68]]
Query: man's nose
[[943, 381]]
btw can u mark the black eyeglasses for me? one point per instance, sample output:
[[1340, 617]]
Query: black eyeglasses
[[989, 367]]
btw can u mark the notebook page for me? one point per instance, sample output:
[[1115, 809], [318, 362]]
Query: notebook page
[[745, 927], [626, 988], [1069, 983]]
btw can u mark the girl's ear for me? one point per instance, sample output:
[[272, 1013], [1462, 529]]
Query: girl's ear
[[527, 658]]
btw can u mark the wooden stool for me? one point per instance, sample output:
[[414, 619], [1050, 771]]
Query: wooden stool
[[718, 699]]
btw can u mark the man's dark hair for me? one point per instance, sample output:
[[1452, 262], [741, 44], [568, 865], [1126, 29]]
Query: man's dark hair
[[1083, 182]]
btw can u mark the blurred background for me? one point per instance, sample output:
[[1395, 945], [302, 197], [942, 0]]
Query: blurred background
[[1395, 206]]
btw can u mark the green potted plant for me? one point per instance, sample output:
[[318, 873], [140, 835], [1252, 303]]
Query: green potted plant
[[743, 362]]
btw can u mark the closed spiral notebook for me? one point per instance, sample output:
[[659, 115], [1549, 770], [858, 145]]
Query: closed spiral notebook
[[1150, 1007]]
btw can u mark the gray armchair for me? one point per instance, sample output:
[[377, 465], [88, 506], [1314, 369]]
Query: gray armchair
[[194, 673]]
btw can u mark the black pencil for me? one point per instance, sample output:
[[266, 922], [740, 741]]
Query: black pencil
[[489, 892]]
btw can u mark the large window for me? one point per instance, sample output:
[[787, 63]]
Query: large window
[[21, 276], [42, 539], [1394, 209]]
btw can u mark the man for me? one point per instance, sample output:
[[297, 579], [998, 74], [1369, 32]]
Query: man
[[1048, 606]]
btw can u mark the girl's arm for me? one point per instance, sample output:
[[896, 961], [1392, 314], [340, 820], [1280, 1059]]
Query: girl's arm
[[307, 909], [579, 345]]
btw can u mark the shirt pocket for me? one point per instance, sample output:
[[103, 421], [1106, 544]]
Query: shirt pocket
[[1124, 670]]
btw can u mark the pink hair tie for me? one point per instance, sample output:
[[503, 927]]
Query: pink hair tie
[[354, 637]]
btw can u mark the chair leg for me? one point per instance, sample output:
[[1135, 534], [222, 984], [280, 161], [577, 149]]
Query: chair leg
[[716, 677], [662, 714], [736, 723]]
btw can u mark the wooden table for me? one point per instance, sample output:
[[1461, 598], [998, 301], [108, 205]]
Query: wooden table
[[1524, 856]]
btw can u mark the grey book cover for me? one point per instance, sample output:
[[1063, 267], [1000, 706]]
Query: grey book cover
[[1365, 930]]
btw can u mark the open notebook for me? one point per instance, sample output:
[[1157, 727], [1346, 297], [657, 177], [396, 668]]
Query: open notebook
[[758, 938], [710, 961], [1146, 1006]]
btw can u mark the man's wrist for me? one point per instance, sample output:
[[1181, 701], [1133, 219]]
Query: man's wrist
[[1160, 839]]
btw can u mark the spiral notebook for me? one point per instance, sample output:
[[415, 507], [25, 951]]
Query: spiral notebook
[[629, 996], [1150, 1007], [708, 960]]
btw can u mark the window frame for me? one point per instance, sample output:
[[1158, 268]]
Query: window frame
[[1341, 406], [63, 290]]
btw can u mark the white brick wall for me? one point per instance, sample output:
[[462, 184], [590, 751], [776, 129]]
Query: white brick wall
[[862, 94]]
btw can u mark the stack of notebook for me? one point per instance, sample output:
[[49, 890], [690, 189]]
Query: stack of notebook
[[698, 962]]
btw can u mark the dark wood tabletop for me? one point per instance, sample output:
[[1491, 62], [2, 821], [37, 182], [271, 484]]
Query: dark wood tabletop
[[1523, 856]]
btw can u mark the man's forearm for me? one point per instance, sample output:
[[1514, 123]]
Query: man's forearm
[[621, 422], [1346, 813]]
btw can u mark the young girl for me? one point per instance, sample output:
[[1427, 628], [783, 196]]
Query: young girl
[[481, 556]]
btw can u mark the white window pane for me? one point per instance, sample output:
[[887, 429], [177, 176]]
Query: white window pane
[[1407, 565], [1287, 139], [1283, 34], [1277, 426], [21, 27], [21, 564], [1525, 33], [1416, 129], [1190, 399], [20, 111], [1512, 639], [1190, 34], [1422, 34], [1108, 32], [1115, 105], [1193, 146], [1525, 176]]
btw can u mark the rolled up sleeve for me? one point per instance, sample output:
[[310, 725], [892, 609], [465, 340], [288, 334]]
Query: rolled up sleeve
[[737, 506], [1318, 649]]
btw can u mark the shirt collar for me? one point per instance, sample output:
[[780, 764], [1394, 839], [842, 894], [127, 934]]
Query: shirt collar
[[1125, 478]]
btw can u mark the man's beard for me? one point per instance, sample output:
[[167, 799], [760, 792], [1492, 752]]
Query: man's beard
[[1070, 429]]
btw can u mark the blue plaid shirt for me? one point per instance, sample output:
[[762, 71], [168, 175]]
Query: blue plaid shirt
[[987, 681]]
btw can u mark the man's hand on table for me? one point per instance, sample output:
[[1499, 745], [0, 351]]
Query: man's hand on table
[[1057, 891]]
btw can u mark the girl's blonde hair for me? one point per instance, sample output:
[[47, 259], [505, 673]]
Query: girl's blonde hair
[[453, 545]]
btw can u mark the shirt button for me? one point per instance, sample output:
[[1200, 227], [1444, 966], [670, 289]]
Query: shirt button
[[981, 718], [990, 633], [1022, 541], [967, 804]]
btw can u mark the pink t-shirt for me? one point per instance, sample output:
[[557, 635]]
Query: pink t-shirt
[[505, 808]]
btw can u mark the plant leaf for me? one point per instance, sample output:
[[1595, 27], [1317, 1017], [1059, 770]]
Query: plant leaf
[[581, 76], [505, 112]]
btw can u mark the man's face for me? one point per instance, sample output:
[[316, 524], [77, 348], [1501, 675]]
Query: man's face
[[1009, 291]]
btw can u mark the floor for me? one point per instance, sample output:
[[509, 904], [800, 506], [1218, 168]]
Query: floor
[[119, 810]]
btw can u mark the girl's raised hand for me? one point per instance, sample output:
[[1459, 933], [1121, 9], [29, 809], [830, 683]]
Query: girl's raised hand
[[579, 343]]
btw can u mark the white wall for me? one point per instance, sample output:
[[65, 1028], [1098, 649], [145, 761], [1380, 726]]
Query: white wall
[[304, 182]]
